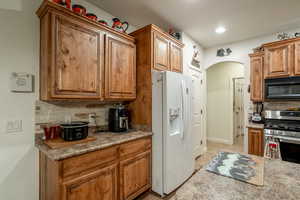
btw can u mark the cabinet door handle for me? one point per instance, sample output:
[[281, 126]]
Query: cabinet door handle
[[73, 187]]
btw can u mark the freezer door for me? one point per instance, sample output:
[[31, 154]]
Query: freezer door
[[157, 129], [178, 164]]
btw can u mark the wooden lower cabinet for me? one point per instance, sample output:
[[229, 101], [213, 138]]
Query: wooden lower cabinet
[[256, 141], [114, 173], [135, 175], [99, 185]]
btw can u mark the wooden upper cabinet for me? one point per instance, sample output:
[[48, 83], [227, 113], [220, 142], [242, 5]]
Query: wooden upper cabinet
[[98, 185], [135, 176], [256, 77], [73, 58], [156, 50], [161, 52], [255, 141], [120, 69], [279, 60], [176, 58], [297, 58], [78, 59]]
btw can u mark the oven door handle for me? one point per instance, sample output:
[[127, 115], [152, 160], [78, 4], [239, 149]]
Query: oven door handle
[[289, 140], [286, 139]]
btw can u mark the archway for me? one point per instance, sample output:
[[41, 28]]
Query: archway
[[225, 103]]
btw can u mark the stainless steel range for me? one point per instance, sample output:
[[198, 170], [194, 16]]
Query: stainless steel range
[[285, 127]]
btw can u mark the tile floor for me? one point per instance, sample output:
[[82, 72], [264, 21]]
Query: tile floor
[[212, 149]]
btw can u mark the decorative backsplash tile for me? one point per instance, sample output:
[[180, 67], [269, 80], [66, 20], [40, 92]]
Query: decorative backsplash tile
[[62, 112], [284, 105], [281, 105]]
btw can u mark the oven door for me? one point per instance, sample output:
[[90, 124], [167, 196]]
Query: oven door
[[282, 88], [290, 149]]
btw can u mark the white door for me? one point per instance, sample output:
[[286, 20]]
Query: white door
[[238, 108], [197, 114], [178, 151]]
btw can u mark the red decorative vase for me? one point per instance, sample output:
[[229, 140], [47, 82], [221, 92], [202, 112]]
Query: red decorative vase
[[118, 25], [103, 22], [66, 3], [79, 9], [92, 16]]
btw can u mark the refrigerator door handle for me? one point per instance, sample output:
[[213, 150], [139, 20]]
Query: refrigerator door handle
[[183, 108]]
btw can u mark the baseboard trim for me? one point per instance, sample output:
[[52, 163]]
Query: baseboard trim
[[218, 140]]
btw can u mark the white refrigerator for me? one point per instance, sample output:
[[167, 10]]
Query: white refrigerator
[[172, 154]]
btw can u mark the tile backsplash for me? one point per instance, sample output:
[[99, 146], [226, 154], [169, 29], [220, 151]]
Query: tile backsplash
[[281, 105], [274, 105], [61, 112]]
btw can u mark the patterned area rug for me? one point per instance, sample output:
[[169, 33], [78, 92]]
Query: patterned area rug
[[241, 167]]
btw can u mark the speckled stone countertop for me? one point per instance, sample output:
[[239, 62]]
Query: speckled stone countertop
[[254, 125], [104, 140], [281, 182]]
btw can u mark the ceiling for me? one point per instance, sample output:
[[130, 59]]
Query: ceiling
[[243, 19]]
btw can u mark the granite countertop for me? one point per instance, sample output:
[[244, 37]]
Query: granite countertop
[[104, 140], [254, 125], [281, 181]]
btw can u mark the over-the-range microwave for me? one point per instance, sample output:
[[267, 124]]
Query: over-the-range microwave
[[282, 88]]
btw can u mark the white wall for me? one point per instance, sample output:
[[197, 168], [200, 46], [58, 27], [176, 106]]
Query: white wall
[[188, 52], [220, 100], [12, 5], [19, 41], [19, 52], [240, 54]]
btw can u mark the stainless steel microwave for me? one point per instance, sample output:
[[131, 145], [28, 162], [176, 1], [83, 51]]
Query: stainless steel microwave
[[282, 88]]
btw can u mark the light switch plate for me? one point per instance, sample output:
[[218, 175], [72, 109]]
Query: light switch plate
[[14, 126]]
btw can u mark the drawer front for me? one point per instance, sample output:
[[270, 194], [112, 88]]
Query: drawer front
[[87, 161], [135, 147]]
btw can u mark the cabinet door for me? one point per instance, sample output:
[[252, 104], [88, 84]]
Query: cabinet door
[[120, 69], [256, 78], [98, 185], [135, 176], [255, 141], [297, 58], [176, 58], [161, 52], [279, 61], [78, 59]]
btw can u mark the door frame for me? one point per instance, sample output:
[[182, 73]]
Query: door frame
[[233, 106]]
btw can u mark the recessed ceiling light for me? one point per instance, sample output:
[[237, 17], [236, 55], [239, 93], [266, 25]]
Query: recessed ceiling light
[[220, 30]]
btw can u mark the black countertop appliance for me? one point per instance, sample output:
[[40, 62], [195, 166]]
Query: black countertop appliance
[[74, 131], [257, 116], [118, 119]]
